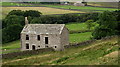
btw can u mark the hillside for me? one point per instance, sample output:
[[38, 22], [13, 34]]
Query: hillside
[[101, 52]]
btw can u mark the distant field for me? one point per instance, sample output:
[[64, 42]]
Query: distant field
[[44, 10], [82, 8], [13, 4], [104, 4]]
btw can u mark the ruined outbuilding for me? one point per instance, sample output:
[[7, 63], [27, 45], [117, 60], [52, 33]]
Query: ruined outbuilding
[[38, 36]]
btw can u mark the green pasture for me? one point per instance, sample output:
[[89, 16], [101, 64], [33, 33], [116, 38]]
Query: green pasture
[[98, 53], [76, 26], [79, 37]]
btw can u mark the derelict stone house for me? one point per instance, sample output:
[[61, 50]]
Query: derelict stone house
[[37, 36]]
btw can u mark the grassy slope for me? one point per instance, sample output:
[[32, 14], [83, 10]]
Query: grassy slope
[[11, 45], [101, 52]]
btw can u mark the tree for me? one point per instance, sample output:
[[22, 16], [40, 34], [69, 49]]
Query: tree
[[16, 12], [32, 13], [36, 21], [107, 24], [89, 24], [14, 19], [11, 33]]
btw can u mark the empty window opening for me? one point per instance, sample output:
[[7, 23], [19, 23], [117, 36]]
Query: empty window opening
[[46, 40], [55, 46], [27, 46], [38, 46], [38, 37], [33, 47], [27, 37]]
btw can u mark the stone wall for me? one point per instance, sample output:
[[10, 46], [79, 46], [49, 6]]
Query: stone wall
[[24, 53]]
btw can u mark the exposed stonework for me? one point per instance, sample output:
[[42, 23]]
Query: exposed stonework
[[56, 35]]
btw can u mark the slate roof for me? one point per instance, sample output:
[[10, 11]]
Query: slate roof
[[43, 28]]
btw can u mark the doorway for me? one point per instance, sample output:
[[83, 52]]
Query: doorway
[[33, 47]]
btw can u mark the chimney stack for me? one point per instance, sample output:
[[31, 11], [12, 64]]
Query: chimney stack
[[26, 21]]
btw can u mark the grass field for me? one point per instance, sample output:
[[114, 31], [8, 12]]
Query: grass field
[[76, 26], [98, 53], [43, 10], [82, 8], [12, 4], [79, 37]]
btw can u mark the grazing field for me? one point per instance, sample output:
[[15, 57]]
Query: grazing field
[[82, 8], [79, 37], [103, 52], [43, 10], [76, 26]]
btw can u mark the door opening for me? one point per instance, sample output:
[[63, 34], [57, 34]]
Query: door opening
[[33, 47]]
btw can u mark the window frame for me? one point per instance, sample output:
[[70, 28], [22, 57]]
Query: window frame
[[46, 42], [38, 37], [27, 46], [27, 37]]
